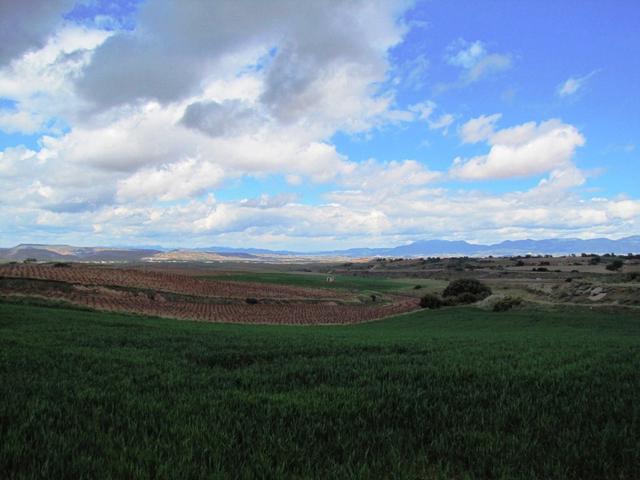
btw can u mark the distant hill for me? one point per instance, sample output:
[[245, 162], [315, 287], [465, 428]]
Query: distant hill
[[67, 253], [421, 248], [560, 246]]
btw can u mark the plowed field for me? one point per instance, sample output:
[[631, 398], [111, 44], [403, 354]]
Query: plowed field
[[185, 297]]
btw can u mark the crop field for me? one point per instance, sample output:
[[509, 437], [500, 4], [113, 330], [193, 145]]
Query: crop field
[[340, 282], [152, 280], [185, 297], [452, 393]]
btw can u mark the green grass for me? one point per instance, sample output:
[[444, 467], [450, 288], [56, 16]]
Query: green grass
[[455, 393], [341, 282]]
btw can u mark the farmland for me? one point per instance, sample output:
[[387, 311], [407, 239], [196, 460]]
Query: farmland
[[452, 393], [311, 280], [183, 296], [103, 373]]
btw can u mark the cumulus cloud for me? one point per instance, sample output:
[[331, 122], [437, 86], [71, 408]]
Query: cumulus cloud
[[132, 147], [178, 180], [230, 117], [26, 25], [41, 82], [524, 150], [387, 176], [231, 103], [322, 41], [14, 121], [479, 128]]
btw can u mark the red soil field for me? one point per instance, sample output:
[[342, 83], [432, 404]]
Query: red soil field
[[184, 297]]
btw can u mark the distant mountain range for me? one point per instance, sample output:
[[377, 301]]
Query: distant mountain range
[[560, 246], [421, 248]]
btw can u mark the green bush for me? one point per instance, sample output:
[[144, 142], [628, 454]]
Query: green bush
[[463, 299], [615, 265], [465, 289], [431, 301]]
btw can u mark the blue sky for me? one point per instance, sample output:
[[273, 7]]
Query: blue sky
[[317, 126]]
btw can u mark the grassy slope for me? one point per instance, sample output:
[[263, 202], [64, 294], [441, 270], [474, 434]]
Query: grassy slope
[[343, 282], [447, 393]]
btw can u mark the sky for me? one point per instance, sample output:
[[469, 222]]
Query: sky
[[317, 125]]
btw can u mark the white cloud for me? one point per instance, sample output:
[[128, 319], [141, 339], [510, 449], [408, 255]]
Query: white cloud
[[574, 84], [183, 179], [476, 61], [41, 82], [524, 150], [19, 122], [387, 176], [466, 55], [479, 128], [132, 147], [423, 110], [488, 65], [16, 161], [443, 122]]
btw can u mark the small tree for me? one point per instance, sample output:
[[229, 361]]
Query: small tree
[[464, 291], [431, 301], [615, 265], [467, 285]]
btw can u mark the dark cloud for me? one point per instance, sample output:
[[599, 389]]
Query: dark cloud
[[26, 24], [177, 45], [230, 117]]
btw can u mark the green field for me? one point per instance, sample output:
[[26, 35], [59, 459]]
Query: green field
[[342, 282], [455, 393]]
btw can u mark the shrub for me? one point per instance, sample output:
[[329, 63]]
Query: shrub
[[594, 260], [467, 286], [251, 301], [615, 265], [633, 276], [62, 265], [431, 301], [465, 298], [506, 303], [417, 287]]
